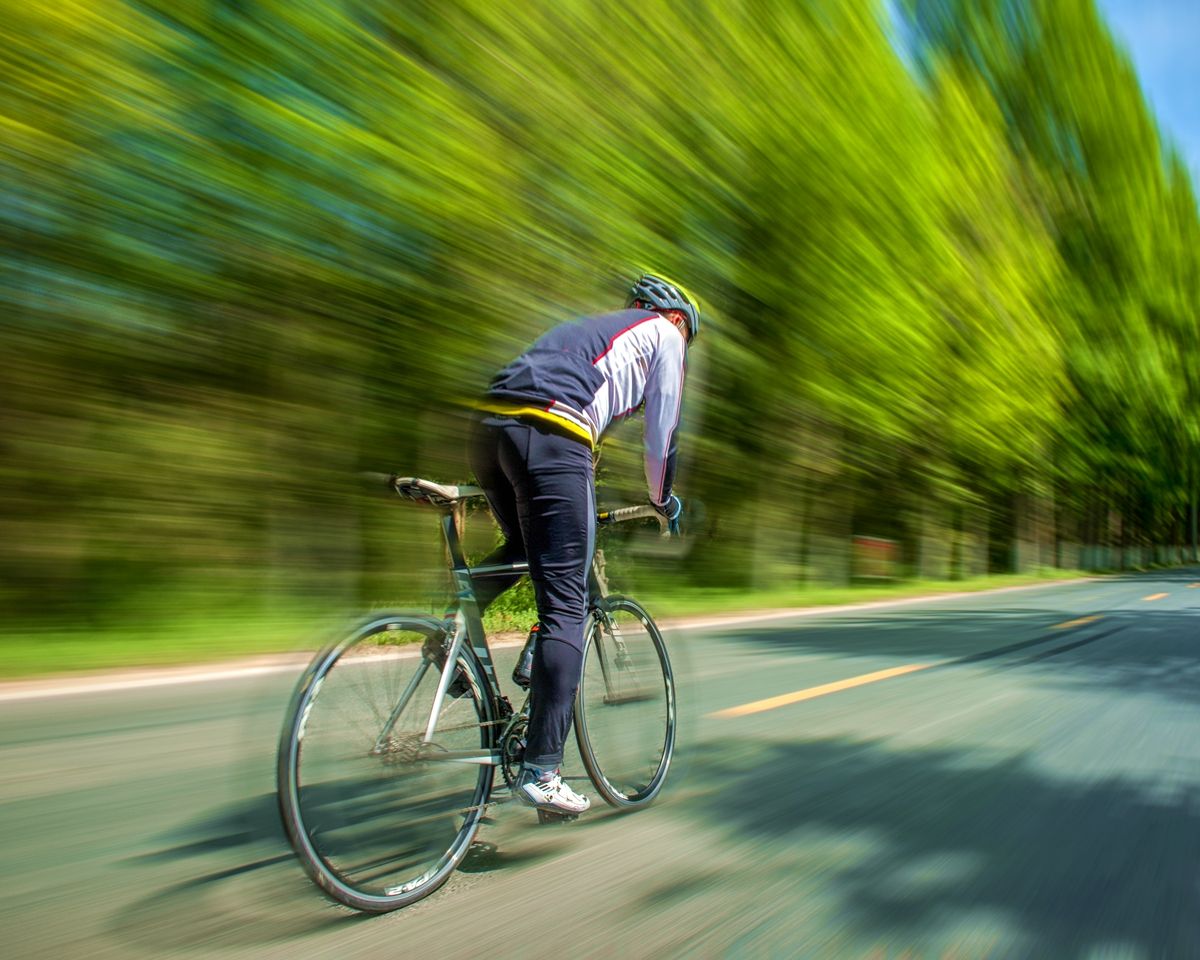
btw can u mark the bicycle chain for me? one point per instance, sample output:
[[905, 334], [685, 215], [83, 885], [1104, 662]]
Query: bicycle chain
[[512, 748]]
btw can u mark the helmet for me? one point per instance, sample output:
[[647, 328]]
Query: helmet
[[657, 293]]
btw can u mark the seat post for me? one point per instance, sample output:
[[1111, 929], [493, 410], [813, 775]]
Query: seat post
[[453, 541]]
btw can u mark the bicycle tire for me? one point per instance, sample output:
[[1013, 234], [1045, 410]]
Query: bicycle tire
[[625, 713], [378, 817]]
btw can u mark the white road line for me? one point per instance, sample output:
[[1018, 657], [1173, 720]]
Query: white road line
[[40, 689], [795, 613], [18, 690]]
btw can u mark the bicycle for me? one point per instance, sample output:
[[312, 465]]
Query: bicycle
[[394, 733]]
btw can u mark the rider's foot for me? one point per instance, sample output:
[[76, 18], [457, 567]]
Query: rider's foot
[[548, 792]]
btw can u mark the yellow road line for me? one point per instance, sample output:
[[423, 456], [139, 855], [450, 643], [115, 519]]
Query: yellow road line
[[1075, 623], [758, 706], [1155, 596]]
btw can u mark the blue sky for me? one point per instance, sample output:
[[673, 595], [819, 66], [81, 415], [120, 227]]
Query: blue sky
[[1163, 37]]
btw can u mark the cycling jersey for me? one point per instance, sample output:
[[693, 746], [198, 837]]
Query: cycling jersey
[[585, 375]]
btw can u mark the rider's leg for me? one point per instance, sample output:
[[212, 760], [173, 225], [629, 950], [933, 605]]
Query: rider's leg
[[549, 478], [556, 500], [484, 452]]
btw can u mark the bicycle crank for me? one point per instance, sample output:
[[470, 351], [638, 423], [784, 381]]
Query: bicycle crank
[[512, 748]]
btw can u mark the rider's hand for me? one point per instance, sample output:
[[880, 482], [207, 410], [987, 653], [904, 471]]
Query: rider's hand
[[672, 510]]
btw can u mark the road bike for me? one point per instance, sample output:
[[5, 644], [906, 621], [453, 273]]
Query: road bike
[[395, 732]]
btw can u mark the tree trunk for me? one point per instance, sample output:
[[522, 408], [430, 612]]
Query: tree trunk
[[932, 562], [1194, 554]]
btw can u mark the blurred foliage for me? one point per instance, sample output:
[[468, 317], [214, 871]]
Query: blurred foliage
[[251, 246]]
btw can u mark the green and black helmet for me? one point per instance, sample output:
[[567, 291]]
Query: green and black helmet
[[653, 292]]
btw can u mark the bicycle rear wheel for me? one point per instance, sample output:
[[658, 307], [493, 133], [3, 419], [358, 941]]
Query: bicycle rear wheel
[[378, 816], [625, 705]]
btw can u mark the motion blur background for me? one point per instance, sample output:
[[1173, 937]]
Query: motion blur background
[[250, 247]]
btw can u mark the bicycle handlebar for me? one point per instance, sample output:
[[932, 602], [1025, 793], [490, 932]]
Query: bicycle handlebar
[[621, 514]]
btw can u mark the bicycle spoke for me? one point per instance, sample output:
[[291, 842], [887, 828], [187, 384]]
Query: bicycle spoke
[[625, 717], [378, 812]]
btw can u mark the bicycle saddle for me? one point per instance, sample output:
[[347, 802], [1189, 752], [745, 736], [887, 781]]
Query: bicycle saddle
[[426, 491]]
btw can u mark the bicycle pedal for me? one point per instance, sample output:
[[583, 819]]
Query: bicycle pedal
[[547, 816]]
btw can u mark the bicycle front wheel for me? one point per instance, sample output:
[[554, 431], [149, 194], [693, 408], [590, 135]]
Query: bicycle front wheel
[[625, 705], [378, 814]]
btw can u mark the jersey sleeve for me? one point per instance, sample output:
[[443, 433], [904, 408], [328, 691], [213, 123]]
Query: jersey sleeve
[[664, 392]]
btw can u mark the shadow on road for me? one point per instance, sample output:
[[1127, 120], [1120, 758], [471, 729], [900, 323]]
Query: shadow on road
[[249, 890], [255, 822], [252, 891], [914, 839]]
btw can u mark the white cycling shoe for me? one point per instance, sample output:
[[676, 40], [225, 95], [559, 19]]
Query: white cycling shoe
[[549, 794]]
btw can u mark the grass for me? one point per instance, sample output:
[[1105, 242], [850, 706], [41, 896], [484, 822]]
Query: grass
[[38, 652], [226, 636], [194, 640]]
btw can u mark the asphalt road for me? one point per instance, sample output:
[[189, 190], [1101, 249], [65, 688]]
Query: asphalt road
[[1027, 786]]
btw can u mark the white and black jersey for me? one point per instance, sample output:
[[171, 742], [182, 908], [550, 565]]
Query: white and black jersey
[[585, 375]]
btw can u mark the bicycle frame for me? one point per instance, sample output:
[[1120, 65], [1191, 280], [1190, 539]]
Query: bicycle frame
[[389, 682], [468, 614], [468, 626]]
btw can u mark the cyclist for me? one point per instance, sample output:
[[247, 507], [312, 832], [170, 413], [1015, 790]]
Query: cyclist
[[532, 453]]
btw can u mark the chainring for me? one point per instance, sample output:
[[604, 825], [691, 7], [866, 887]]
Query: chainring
[[512, 748]]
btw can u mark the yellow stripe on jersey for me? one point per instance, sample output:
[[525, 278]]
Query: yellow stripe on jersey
[[517, 410]]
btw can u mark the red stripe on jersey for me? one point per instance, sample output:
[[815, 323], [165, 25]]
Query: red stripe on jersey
[[619, 333]]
